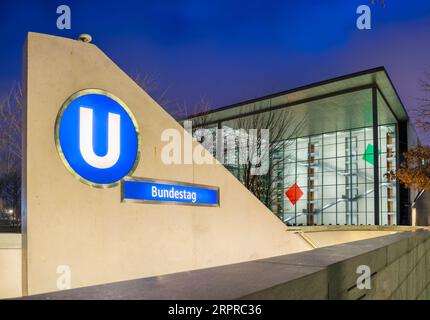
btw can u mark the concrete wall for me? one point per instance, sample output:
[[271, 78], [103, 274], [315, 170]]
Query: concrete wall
[[66, 222], [399, 266], [330, 238], [10, 265], [399, 271]]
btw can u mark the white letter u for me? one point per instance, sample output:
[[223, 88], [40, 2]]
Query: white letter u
[[86, 139]]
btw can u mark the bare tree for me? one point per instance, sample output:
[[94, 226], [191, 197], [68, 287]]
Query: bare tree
[[414, 170], [11, 110], [199, 112], [179, 110], [282, 126], [423, 111], [151, 85]]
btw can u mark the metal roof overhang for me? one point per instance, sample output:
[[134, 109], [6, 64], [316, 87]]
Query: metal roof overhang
[[336, 104]]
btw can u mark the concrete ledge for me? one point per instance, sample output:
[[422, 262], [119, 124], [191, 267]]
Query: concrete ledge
[[325, 273], [355, 228], [10, 241]]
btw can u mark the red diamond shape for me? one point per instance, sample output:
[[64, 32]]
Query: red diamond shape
[[294, 193]]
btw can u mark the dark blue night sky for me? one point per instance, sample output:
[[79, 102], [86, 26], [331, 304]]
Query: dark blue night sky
[[229, 51]]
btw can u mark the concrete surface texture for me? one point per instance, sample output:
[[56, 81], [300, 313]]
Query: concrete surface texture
[[330, 238], [68, 223], [399, 266], [10, 265], [328, 235]]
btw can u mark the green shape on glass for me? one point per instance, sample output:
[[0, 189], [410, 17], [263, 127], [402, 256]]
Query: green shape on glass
[[368, 154]]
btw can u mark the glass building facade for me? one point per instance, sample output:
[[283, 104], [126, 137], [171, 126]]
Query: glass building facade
[[335, 169], [330, 177]]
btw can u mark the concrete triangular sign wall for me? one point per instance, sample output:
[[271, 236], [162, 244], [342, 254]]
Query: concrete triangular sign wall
[[76, 235]]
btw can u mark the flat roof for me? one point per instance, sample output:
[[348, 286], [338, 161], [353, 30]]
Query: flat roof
[[345, 99]]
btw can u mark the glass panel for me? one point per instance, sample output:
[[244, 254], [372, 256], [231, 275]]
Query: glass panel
[[333, 175]]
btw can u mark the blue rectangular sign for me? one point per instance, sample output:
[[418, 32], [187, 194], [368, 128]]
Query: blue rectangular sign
[[168, 192]]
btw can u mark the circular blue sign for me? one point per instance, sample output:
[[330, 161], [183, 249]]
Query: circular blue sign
[[97, 138]]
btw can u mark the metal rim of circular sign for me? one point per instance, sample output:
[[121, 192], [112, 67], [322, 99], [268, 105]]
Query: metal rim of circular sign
[[63, 108]]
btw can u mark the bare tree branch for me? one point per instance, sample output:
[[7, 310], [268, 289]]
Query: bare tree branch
[[414, 171], [151, 85], [283, 125], [11, 110]]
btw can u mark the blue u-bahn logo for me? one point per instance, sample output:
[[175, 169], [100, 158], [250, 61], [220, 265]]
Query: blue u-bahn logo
[[97, 138]]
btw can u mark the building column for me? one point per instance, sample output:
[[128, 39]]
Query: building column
[[403, 194], [375, 153]]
